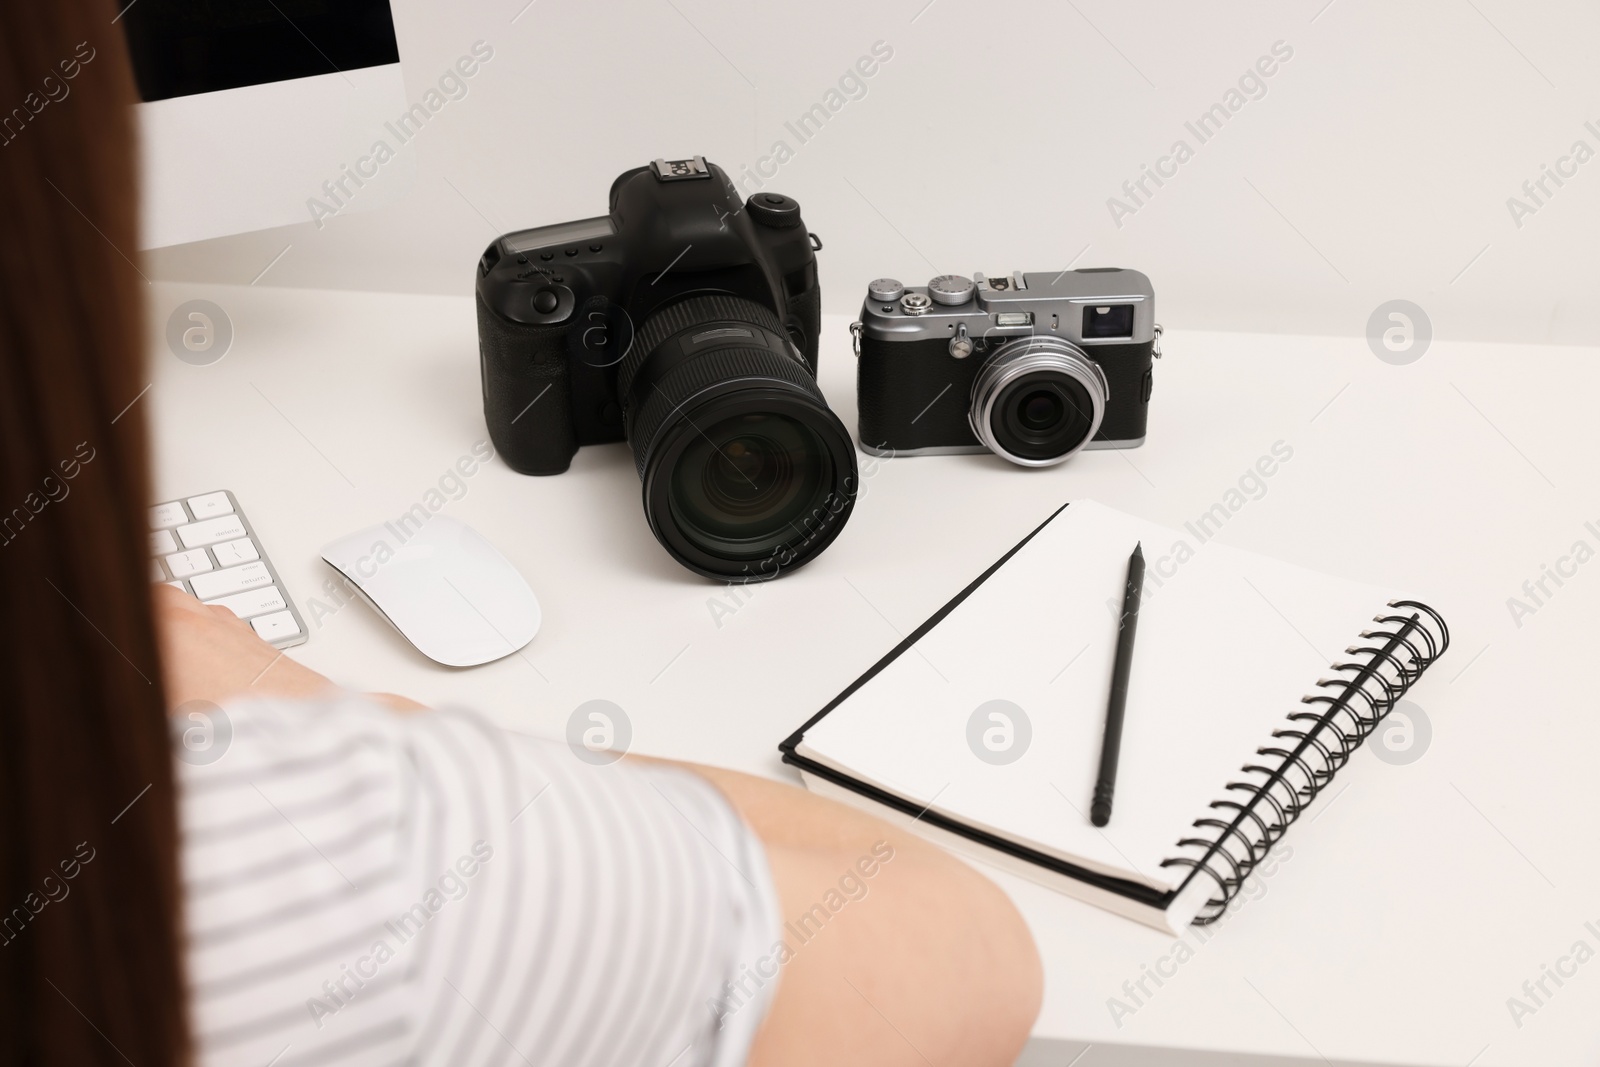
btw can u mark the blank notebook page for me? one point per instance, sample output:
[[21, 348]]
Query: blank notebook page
[[1227, 644]]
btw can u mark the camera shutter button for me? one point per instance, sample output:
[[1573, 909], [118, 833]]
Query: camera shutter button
[[915, 303], [545, 301], [950, 289]]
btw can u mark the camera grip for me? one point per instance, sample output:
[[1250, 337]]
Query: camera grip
[[527, 401], [910, 395], [806, 308], [877, 421]]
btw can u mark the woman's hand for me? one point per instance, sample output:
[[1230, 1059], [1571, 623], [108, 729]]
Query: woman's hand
[[207, 653]]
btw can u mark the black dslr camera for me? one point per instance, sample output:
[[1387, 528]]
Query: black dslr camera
[[686, 323], [1031, 367]]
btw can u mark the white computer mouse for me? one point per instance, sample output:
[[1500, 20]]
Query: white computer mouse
[[443, 586]]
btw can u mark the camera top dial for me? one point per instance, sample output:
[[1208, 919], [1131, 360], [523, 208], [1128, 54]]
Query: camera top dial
[[885, 290], [951, 289]]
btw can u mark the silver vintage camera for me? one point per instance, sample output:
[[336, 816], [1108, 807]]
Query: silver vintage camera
[[1032, 367]]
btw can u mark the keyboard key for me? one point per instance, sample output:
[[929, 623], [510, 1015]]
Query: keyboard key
[[178, 586], [156, 573], [275, 626], [161, 543], [163, 515], [184, 564], [211, 505], [254, 602], [231, 552], [209, 532], [232, 580]]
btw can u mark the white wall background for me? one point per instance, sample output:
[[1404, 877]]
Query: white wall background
[[1377, 165]]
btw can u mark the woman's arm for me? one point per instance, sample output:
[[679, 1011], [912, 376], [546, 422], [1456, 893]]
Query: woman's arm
[[929, 963]]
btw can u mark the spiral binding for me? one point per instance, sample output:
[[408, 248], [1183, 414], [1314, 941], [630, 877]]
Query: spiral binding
[[1249, 824]]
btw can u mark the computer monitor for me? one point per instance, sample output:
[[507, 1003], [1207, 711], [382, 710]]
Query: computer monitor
[[257, 111]]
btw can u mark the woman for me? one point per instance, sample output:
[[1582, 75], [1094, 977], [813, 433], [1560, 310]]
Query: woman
[[356, 880]]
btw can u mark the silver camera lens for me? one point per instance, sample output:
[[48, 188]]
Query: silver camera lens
[[1038, 400]]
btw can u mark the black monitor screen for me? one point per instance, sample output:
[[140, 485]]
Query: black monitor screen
[[181, 47]]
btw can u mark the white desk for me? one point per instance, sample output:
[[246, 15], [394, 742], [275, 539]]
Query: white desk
[[1415, 902]]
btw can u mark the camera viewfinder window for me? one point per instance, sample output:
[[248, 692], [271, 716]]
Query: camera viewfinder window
[[1104, 321]]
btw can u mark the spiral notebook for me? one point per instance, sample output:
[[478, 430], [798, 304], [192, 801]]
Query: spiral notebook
[[1254, 682]]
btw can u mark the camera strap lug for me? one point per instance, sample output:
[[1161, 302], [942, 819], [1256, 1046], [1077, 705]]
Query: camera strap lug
[[1155, 349], [855, 336]]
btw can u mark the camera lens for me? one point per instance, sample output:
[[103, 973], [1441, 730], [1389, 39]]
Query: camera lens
[[746, 472], [1038, 400], [1042, 416], [740, 488], [1040, 410]]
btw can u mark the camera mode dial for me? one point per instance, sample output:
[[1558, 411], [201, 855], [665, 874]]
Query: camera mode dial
[[775, 210], [950, 289], [885, 290]]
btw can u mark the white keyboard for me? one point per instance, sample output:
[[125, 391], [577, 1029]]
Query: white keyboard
[[204, 545]]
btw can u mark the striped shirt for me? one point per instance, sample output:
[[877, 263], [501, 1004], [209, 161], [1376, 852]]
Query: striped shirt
[[363, 887]]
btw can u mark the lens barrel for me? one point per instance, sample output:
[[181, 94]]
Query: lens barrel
[[1038, 400], [747, 473]]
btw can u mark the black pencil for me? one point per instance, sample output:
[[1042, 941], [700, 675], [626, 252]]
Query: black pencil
[[1116, 704]]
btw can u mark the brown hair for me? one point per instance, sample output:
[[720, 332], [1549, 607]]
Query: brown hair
[[90, 969]]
